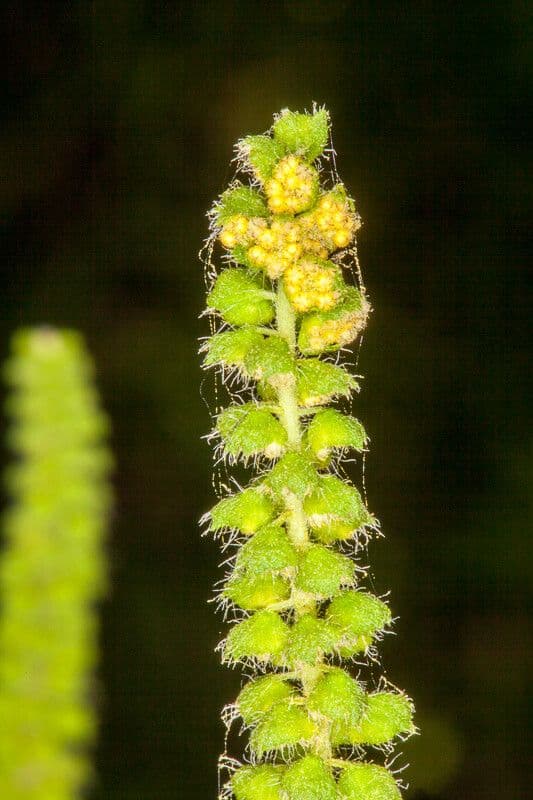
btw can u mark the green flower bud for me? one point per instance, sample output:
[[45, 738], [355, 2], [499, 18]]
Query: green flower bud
[[359, 617], [368, 782], [294, 474], [338, 697], [322, 571], [319, 382], [270, 550], [304, 134], [331, 429], [262, 636], [246, 512], [268, 358], [260, 696], [309, 779], [358, 613], [240, 299], [309, 639], [386, 716], [252, 592], [249, 431], [285, 725], [326, 331], [262, 782], [333, 502], [230, 348], [239, 200], [261, 153]]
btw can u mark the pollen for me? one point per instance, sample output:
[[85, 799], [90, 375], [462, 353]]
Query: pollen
[[293, 186], [311, 284]]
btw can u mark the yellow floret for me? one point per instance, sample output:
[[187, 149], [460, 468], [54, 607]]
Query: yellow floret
[[277, 203], [266, 238], [293, 250], [228, 239], [342, 238], [257, 255], [275, 265]]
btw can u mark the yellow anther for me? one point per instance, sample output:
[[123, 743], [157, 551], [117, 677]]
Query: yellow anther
[[293, 249], [275, 267], [323, 282], [228, 239], [341, 238], [325, 301], [267, 238], [257, 254]]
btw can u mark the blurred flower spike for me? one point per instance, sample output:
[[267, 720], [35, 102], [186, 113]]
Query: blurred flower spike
[[53, 567]]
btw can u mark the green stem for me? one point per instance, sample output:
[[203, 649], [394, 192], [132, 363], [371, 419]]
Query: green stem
[[290, 414], [288, 408], [285, 317], [296, 524], [286, 387]]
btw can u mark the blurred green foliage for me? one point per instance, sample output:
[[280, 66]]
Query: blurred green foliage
[[119, 121], [53, 567]]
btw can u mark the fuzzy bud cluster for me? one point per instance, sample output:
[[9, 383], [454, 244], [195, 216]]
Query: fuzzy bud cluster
[[294, 582]]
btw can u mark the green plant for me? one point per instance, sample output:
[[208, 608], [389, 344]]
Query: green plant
[[53, 567], [287, 313]]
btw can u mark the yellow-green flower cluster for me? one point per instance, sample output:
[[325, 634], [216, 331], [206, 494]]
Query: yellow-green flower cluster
[[293, 186], [300, 609], [312, 284], [52, 568], [286, 240], [299, 225]]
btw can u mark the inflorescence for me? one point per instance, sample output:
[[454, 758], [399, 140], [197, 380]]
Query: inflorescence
[[300, 613], [53, 568]]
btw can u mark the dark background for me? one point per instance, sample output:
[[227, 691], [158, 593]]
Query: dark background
[[119, 122]]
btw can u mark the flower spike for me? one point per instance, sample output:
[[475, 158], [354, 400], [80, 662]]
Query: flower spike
[[286, 302]]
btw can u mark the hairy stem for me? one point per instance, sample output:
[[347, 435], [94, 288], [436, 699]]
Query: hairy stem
[[290, 415], [303, 603]]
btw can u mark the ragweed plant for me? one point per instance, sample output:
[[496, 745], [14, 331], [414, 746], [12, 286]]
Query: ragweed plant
[[52, 569], [284, 307]]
